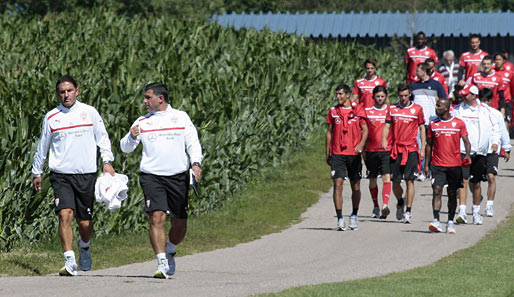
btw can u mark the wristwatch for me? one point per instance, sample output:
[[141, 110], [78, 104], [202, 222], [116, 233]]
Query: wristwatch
[[197, 164], [108, 162]]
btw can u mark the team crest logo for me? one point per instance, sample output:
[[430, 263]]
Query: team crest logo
[[376, 83], [506, 74], [371, 111], [147, 203], [426, 53], [174, 120], [494, 78], [454, 124], [332, 173], [482, 56], [56, 201], [338, 121], [413, 111], [88, 211], [83, 115]]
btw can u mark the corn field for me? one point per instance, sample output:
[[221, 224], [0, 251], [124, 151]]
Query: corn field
[[254, 97]]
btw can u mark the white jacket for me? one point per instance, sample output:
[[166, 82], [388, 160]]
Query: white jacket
[[111, 190], [166, 136], [504, 134], [483, 130]]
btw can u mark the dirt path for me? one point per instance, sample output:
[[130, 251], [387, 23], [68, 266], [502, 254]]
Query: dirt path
[[310, 252]]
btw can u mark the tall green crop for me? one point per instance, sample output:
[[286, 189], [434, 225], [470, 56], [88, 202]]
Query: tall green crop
[[253, 97]]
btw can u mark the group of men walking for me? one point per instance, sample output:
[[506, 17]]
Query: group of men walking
[[455, 141]]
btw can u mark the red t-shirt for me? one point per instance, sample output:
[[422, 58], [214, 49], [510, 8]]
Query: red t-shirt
[[470, 61], [492, 81], [446, 141], [507, 78], [440, 78], [405, 121], [375, 118], [346, 129], [414, 57], [364, 89]]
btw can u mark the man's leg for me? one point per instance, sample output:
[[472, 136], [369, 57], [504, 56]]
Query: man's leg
[[65, 229], [491, 192], [356, 199], [373, 190], [85, 231], [338, 196], [477, 192], [398, 193], [435, 226], [157, 233]]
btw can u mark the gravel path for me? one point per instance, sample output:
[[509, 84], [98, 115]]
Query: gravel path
[[310, 252]]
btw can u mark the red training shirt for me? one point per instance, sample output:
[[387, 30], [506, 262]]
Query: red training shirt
[[446, 141], [492, 81], [405, 121], [346, 129], [414, 57], [470, 61], [364, 89], [376, 118]]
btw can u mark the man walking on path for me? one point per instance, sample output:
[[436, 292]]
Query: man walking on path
[[443, 147], [403, 121], [71, 132], [469, 61], [484, 137], [377, 158], [346, 136], [486, 95], [363, 87], [168, 138]]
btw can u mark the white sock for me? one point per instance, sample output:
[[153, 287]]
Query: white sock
[[171, 248], [83, 244], [161, 258], [490, 202], [69, 254], [476, 209], [462, 208]]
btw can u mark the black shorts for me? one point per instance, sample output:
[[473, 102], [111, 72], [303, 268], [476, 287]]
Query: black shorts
[[346, 166], [74, 191], [447, 175], [477, 172], [378, 161], [492, 163], [407, 172], [167, 193]]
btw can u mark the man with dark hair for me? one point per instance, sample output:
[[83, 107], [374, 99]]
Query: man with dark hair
[[438, 77], [486, 95], [469, 61], [346, 136], [363, 87], [418, 54], [71, 132], [403, 122], [488, 78], [505, 72], [508, 66], [168, 138], [443, 148]]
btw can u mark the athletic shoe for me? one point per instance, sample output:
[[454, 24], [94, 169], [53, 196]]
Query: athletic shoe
[[435, 226], [400, 210], [353, 223], [162, 270], [477, 218], [407, 217], [171, 263], [421, 178], [341, 225], [85, 260], [376, 212], [489, 211], [462, 218], [70, 268], [450, 228], [385, 212]]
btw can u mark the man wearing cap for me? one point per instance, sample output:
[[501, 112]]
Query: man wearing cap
[[484, 136]]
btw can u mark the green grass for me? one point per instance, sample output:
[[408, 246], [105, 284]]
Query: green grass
[[486, 269], [272, 202]]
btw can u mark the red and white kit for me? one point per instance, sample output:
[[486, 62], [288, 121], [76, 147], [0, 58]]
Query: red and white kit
[[414, 57], [446, 137], [376, 119], [470, 61], [405, 121], [364, 89], [492, 81], [346, 129], [72, 135]]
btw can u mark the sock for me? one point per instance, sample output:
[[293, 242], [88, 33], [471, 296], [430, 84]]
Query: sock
[[408, 209], [490, 202], [171, 248], [462, 208], [161, 258], [386, 192], [436, 214], [339, 213], [374, 195], [69, 254], [476, 209], [354, 211], [84, 245], [451, 215]]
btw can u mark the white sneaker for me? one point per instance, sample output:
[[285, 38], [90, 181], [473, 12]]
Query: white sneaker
[[477, 218], [70, 268], [435, 226], [85, 260], [376, 212], [462, 218], [450, 228], [407, 217], [353, 223], [341, 225], [400, 210], [421, 178], [162, 270], [171, 263], [385, 212], [489, 211]]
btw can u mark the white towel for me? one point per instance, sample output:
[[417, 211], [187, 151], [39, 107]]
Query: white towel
[[111, 190]]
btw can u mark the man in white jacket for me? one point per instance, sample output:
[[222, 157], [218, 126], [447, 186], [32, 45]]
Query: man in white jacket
[[71, 132], [486, 96], [484, 137], [168, 138]]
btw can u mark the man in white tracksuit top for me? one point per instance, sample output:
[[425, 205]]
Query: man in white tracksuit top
[[484, 136], [168, 137], [71, 132]]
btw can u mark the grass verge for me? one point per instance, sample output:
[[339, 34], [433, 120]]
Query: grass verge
[[485, 269], [269, 204]]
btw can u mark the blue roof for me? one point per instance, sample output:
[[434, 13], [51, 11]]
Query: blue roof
[[374, 24]]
